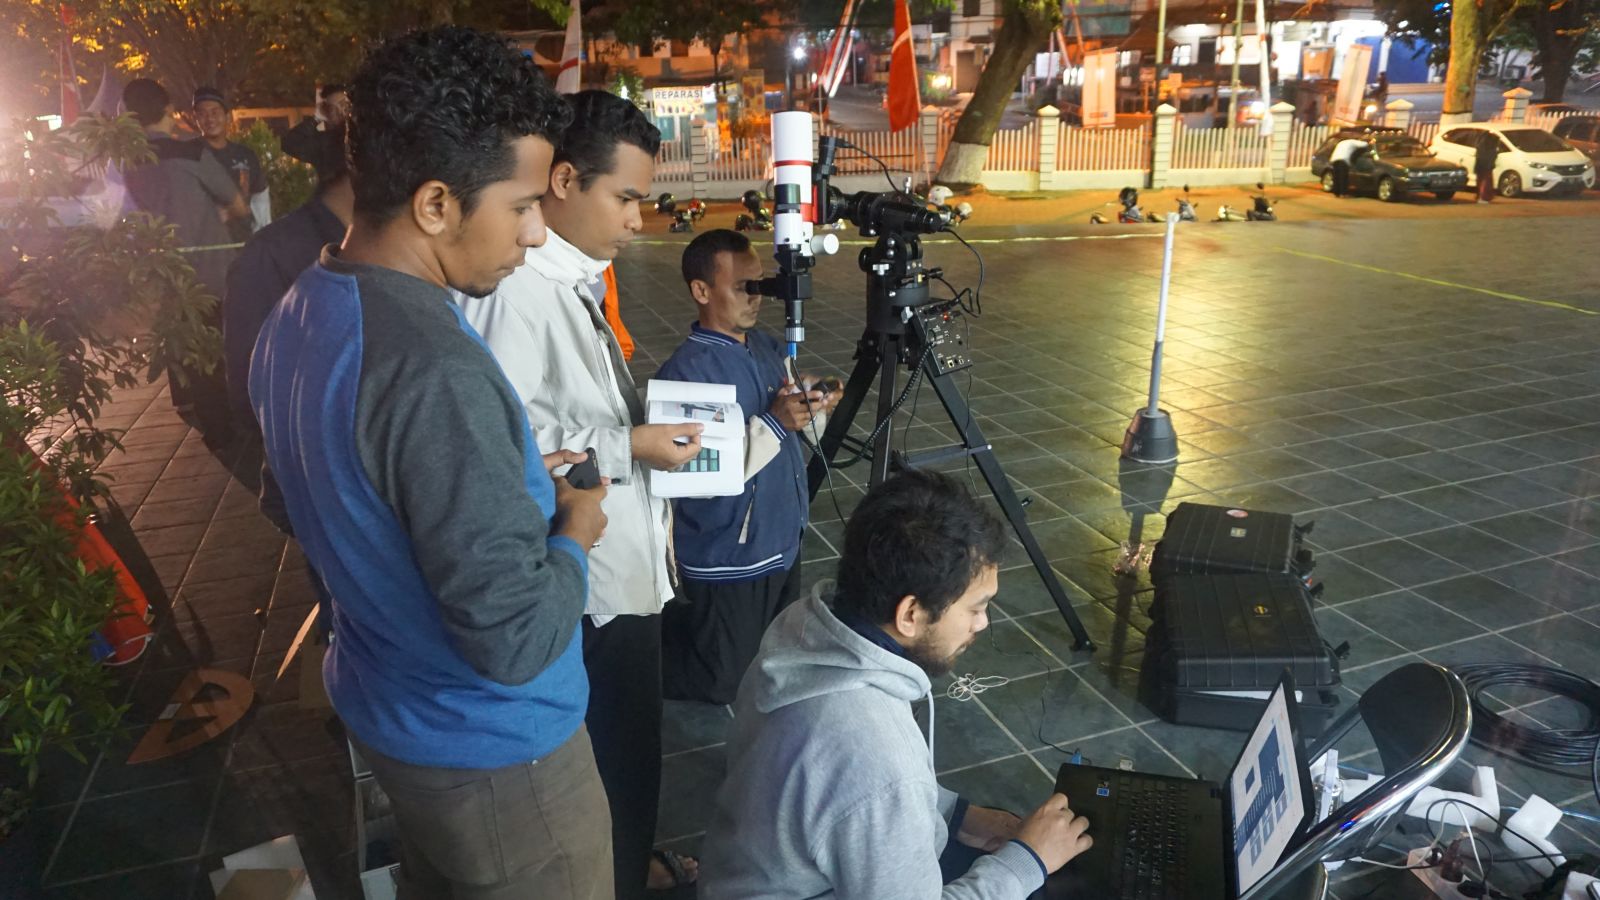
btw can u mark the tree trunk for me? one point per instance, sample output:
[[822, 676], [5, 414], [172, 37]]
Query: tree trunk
[[1559, 29], [1461, 78], [1025, 27]]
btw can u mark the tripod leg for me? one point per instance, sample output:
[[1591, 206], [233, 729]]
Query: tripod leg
[[844, 414], [881, 451], [972, 436]]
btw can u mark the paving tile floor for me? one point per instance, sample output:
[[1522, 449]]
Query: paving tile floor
[[1428, 393]]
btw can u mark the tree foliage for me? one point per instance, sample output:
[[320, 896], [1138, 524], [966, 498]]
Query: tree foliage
[[261, 52], [1564, 34], [648, 23]]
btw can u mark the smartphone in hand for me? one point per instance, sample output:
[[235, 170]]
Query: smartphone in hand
[[585, 475]]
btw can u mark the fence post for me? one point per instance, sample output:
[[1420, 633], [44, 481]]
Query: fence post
[[929, 124], [699, 159], [1049, 119], [1278, 150], [1517, 104], [1161, 143], [1397, 114]]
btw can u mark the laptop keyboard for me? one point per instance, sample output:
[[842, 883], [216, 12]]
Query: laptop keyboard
[[1150, 852]]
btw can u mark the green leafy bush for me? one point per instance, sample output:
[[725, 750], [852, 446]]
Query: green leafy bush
[[290, 181], [90, 297]]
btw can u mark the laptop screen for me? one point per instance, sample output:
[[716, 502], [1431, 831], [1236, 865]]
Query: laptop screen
[[1266, 793]]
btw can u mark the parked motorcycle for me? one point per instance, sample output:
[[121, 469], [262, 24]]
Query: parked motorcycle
[[954, 215], [1186, 209], [759, 217], [682, 219], [1130, 214], [1260, 209]]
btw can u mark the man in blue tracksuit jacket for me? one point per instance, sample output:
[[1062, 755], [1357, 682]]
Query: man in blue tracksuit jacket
[[456, 568], [738, 557]]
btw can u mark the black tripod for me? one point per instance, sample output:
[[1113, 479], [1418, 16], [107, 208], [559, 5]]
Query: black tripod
[[905, 328]]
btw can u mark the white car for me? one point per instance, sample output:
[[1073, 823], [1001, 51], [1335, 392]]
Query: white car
[[1531, 160]]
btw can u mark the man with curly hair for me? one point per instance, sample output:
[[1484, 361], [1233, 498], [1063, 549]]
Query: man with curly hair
[[457, 568]]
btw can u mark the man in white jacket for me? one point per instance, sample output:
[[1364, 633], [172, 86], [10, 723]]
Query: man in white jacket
[[545, 326], [830, 789]]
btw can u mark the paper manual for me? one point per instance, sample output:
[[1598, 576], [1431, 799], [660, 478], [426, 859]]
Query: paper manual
[[718, 471]]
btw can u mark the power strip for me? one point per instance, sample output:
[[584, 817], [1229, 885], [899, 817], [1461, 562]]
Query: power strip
[[1432, 877]]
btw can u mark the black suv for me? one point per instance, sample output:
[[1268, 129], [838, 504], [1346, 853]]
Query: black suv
[[1398, 164]]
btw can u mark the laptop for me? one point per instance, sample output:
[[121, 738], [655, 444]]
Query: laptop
[[1168, 838]]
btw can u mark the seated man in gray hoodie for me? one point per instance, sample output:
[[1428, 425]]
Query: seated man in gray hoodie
[[830, 789]]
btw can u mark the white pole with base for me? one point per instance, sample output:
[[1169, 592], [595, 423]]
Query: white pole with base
[[1150, 437]]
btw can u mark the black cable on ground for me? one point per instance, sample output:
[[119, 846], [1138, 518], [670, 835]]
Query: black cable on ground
[[1554, 747]]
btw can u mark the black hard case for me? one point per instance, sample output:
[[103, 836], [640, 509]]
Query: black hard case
[[1201, 539], [1238, 633]]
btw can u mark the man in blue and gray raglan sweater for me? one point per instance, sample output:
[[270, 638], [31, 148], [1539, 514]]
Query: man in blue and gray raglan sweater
[[738, 557], [456, 566]]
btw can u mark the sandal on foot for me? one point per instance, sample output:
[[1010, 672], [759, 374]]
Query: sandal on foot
[[674, 864]]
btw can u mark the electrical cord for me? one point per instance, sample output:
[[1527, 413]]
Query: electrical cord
[[1557, 747], [967, 686], [905, 393], [977, 292], [845, 144], [1573, 813], [814, 444]]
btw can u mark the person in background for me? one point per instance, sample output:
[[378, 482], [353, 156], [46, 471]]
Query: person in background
[[545, 327], [303, 141], [830, 790], [266, 268], [1345, 154], [738, 557], [1484, 162], [610, 307], [456, 566], [214, 120], [272, 259], [193, 191]]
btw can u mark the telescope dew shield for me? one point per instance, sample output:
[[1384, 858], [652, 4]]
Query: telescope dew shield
[[791, 226]]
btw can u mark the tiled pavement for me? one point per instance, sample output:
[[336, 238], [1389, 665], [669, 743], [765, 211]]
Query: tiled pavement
[[1442, 431]]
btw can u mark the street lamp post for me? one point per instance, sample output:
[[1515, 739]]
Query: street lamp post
[[794, 55], [1161, 36], [1233, 100]]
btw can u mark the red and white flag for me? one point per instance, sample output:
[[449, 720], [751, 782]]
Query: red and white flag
[[905, 93], [570, 78], [843, 66], [837, 51]]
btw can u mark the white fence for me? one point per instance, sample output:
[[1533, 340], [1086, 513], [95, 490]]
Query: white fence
[[899, 150], [675, 162], [745, 160], [1218, 148], [1548, 120], [1014, 150], [1047, 155], [1098, 149], [1304, 141], [1423, 131]]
